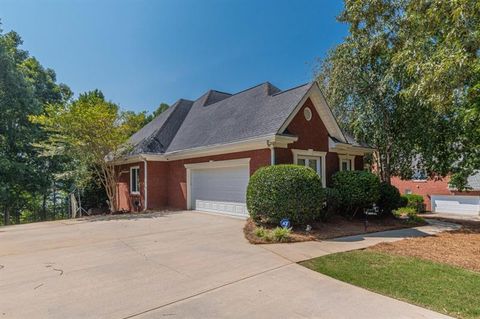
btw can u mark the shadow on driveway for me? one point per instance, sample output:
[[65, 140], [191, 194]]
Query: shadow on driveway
[[398, 233]]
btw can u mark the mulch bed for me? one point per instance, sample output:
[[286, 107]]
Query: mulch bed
[[458, 248], [337, 226]]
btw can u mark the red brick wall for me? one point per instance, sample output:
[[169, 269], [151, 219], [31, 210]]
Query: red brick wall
[[157, 186], [427, 188], [177, 174], [167, 180], [125, 200], [333, 164], [311, 135], [359, 163]]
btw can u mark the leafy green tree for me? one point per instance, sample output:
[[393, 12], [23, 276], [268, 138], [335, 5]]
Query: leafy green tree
[[24, 88], [439, 46], [364, 93], [91, 130], [136, 120], [16, 102], [403, 81], [160, 109]]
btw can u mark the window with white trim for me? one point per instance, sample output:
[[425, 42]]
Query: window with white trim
[[314, 162], [346, 165], [135, 180], [346, 162], [313, 159]]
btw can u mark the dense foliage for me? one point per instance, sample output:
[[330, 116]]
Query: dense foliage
[[390, 198], [415, 201], [356, 190], [90, 129], [35, 175], [406, 80], [285, 191], [333, 203], [29, 182]]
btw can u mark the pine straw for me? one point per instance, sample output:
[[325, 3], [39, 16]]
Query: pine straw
[[336, 227], [459, 248]]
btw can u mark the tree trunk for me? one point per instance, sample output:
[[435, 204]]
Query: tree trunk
[[54, 201], [17, 217], [6, 216], [43, 214]]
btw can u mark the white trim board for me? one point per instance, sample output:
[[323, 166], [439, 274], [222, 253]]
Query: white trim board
[[131, 180]]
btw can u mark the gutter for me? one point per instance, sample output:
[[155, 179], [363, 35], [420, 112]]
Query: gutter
[[237, 146]]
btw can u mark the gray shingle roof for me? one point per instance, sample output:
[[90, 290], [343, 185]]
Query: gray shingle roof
[[248, 114], [156, 136], [218, 118]]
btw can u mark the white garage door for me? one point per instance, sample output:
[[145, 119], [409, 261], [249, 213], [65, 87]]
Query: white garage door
[[452, 204], [220, 190]]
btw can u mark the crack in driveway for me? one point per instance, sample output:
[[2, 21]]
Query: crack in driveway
[[152, 261], [205, 291]]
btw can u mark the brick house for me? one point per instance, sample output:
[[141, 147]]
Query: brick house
[[200, 154], [440, 197]]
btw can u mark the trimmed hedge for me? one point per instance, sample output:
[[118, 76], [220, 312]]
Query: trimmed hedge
[[357, 190], [333, 202], [390, 198], [285, 191], [415, 201]]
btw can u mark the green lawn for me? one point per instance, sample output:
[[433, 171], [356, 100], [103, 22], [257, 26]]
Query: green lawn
[[446, 289]]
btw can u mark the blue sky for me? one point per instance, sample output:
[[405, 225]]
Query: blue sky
[[140, 53]]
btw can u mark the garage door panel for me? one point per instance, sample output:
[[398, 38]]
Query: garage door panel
[[453, 204], [229, 208], [220, 190]]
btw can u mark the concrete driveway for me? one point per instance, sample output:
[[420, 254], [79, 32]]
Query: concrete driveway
[[181, 265]]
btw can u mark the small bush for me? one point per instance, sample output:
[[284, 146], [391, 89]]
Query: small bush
[[390, 198], [260, 232], [281, 234], [409, 213], [415, 201], [285, 191], [278, 234], [404, 212], [357, 190], [403, 201]]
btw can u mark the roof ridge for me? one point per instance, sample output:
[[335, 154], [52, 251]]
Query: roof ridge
[[250, 88], [293, 88], [222, 92], [182, 99]]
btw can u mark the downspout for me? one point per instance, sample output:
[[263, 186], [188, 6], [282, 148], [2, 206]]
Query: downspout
[[272, 152], [145, 179]]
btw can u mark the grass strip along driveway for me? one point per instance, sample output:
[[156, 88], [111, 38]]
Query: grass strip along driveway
[[440, 287]]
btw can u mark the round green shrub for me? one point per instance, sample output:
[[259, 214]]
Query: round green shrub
[[390, 198], [285, 191], [357, 190]]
